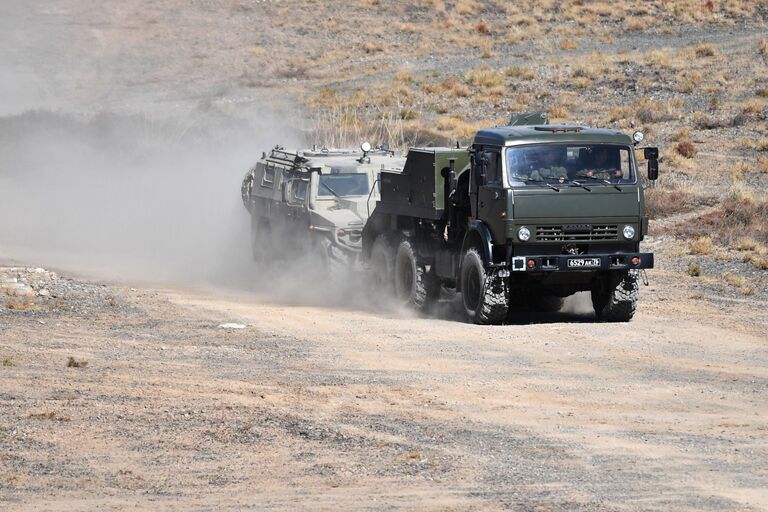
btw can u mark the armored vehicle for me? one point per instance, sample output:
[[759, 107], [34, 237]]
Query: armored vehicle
[[527, 215], [313, 201]]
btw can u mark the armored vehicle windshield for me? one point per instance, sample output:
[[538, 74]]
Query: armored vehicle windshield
[[343, 184], [599, 164]]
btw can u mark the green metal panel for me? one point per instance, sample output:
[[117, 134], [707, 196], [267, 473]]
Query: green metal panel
[[575, 203], [421, 185]]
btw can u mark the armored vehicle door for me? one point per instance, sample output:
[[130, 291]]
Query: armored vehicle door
[[490, 196], [293, 206]]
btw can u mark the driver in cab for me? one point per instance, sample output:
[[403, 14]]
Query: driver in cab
[[601, 167], [550, 166]]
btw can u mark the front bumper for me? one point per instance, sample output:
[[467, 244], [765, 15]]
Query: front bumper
[[582, 262]]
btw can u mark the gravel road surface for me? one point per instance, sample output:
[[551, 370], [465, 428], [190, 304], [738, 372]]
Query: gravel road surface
[[115, 397]]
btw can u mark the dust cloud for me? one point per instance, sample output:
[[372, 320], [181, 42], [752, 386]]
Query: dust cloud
[[130, 197]]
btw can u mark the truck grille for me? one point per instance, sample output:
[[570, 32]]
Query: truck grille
[[582, 233]]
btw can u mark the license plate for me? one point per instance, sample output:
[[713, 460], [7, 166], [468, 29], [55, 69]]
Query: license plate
[[584, 262]]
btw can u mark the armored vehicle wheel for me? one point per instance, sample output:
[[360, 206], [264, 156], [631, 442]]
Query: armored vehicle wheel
[[260, 240], [413, 284], [484, 295], [615, 298], [381, 265]]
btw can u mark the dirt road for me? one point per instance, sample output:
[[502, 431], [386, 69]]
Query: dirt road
[[312, 408]]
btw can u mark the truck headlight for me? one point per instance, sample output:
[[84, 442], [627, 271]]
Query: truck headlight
[[524, 234], [629, 232]]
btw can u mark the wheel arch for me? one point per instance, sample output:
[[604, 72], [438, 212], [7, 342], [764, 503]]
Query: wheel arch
[[478, 235]]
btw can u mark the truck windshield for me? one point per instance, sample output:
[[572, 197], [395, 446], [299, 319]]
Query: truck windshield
[[343, 185], [596, 164]]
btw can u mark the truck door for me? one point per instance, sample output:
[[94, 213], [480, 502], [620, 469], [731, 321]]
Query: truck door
[[491, 196]]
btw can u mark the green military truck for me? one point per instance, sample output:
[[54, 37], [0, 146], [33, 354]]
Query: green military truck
[[530, 213]]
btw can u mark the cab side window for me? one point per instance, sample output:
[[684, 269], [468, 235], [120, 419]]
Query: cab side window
[[493, 167]]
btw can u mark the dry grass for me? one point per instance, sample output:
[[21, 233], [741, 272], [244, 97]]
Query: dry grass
[[21, 305], [693, 269], [7, 361], [668, 200], [741, 213], [705, 50], [520, 72], [450, 87], [701, 245], [484, 77], [49, 416], [74, 363], [686, 149], [762, 47]]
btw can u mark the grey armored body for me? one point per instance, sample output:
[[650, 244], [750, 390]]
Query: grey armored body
[[314, 201]]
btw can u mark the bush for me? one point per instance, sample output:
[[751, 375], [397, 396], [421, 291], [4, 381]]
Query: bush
[[686, 149]]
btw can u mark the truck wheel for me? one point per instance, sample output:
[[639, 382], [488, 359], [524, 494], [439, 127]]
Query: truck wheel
[[484, 296], [381, 265], [615, 298], [413, 284]]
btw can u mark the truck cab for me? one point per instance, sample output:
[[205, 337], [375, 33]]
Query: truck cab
[[538, 213]]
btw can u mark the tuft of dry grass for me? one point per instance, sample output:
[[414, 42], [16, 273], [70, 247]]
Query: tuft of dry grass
[[450, 87], [21, 305], [705, 50], [686, 149], [484, 77], [701, 245], [483, 28], [760, 261], [753, 107], [762, 47], [7, 362], [668, 200], [745, 243], [568, 44], [50, 416], [74, 363], [520, 72], [693, 270]]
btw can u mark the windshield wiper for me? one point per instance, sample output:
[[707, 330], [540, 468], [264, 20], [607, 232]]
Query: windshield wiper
[[607, 182], [330, 190], [527, 178], [574, 182]]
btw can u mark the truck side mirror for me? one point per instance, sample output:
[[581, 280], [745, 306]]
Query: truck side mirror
[[653, 169], [651, 153]]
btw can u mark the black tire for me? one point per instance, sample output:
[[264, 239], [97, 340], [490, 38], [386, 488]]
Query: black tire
[[484, 296], [413, 284], [382, 265], [615, 298]]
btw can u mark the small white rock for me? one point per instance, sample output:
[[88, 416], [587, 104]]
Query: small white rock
[[231, 326], [44, 293]]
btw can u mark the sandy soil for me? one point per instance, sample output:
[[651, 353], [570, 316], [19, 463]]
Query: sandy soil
[[313, 408]]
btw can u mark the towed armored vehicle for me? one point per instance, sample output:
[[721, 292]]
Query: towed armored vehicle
[[528, 214], [314, 201]]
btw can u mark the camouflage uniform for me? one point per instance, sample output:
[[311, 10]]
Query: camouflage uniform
[[554, 172], [602, 174]]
